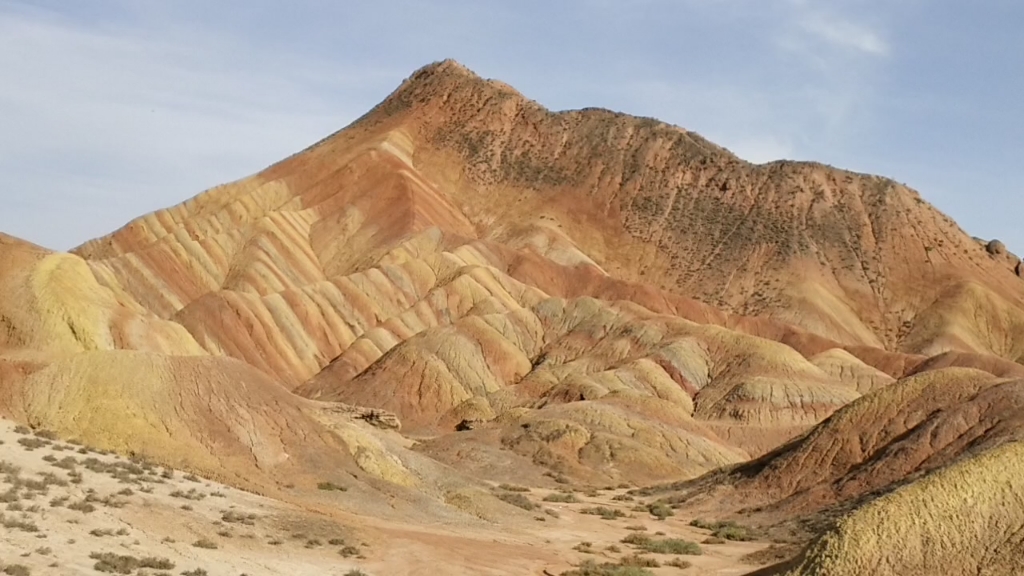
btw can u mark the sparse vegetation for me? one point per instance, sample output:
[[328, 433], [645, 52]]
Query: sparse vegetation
[[192, 494], [518, 500], [82, 506], [66, 463], [664, 545], [727, 530], [30, 443], [563, 497], [205, 543], [604, 512], [679, 563], [45, 434], [660, 510], [592, 568], [232, 517], [349, 551], [557, 477], [513, 488], [18, 524], [640, 561], [329, 486], [122, 564], [585, 548], [17, 570]]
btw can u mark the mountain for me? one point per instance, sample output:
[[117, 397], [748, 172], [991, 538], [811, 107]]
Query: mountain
[[529, 295]]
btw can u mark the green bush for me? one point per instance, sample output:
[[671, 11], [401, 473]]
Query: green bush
[[660, 510]]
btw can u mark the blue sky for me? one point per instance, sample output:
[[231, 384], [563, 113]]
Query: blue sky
[[113, 108]]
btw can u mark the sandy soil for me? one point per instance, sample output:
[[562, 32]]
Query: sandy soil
[[66, 506]]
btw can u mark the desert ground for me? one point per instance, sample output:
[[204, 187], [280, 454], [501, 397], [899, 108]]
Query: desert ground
[[69, 509]]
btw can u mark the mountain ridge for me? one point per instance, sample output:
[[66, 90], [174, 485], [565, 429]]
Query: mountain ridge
[[584, 296]]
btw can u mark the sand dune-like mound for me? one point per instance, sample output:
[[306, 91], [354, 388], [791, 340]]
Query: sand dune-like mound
[[879, 442], [51, 304], [967, 518], [214, 415], [81, 361]]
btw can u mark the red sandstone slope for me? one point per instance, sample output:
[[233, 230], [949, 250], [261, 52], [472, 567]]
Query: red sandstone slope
[[441, 257], [586, 293], [855, 258]]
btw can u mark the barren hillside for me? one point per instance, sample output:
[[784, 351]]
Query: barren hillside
[[463, 289]]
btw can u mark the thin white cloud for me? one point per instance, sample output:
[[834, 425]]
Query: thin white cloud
[[761, 148], [844, 34]]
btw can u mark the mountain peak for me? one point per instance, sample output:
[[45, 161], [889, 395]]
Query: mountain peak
[[446, 81], [448, 66]]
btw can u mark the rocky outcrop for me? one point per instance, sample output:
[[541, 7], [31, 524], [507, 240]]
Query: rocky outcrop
[[996, 248]]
